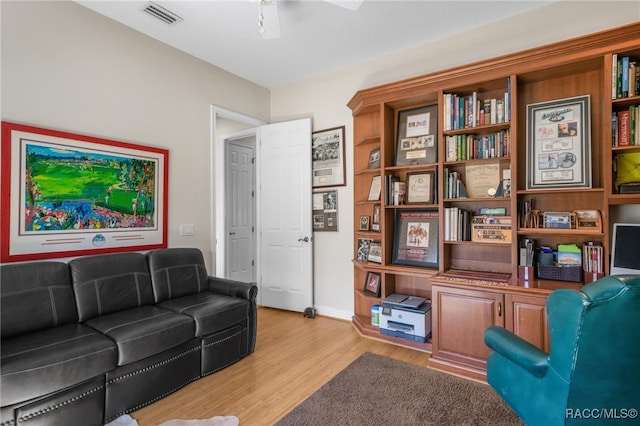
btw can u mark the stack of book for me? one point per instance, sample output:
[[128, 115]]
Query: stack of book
[[464, 111], [471, 147], [592, 258], [625, 80], [457, 224], [625, 127], [454, 187]]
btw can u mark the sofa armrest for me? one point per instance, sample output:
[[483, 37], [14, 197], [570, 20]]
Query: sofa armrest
[[517, 350], [233, 288], [248, 291]]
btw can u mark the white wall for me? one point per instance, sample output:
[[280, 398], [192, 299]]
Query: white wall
[[325, 98], [67, 68]]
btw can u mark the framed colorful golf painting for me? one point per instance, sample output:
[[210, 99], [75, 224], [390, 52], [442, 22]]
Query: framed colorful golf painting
[[65, 194]]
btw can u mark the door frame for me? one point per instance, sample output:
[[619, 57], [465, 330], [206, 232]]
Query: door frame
[[217, 181], [238, 140]]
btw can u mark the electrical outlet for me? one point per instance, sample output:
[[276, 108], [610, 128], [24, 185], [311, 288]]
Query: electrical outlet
[[187, 229]]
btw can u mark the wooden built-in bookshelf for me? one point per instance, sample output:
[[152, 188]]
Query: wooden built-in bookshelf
[[578, 67]]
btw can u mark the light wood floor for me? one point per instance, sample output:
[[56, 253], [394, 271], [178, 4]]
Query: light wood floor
[[294, 357]]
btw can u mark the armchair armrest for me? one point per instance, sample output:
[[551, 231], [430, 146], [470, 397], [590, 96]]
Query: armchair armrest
[[233, 288], [517, 350]]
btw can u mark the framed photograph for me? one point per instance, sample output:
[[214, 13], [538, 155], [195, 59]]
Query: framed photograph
[[417, 140], [65, 194], [364, 223], [559, 144], [375, 252], [375, 188], [374, 158], [372, 284], [325, 211], [420, 188], [416, 238], [328, 158], [362, 254], [375, 218]]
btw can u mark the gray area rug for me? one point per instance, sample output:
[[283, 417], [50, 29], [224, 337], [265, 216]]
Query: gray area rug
[[376, 390]]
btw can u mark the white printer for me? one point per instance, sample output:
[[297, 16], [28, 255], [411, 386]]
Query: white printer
[[405, 316]]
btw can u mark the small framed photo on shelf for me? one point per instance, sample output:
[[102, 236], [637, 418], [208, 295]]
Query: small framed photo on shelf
[[372, 284], [374, 158], [375, 189], [328, 158], [364, 223], [559, 144], [375, 252], [416, 238], [362, 254], [420, 188], [588, 220], [375, 222], [417, 136]]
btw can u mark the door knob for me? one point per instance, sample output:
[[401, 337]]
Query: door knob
[[232, 233], [305, 239]]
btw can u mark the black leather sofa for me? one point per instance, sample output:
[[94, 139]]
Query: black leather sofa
[[86, 341]]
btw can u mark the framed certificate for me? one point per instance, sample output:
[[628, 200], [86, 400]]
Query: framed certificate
[[559, 144], [417, 136], [420, 188]]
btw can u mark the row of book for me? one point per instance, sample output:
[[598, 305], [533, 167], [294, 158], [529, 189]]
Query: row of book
[[457, 224], [454, 187], [471, 147], [592, 256], [395, 191], [625, 79], [465, 111], [625, 127]]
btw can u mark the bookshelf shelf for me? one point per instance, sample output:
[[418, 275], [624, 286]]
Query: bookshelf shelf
[[573, 68]]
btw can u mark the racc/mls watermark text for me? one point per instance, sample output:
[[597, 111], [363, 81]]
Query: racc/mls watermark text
[[601, 413]]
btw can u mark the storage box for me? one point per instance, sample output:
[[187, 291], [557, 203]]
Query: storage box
[[560, 273], [491, 229]]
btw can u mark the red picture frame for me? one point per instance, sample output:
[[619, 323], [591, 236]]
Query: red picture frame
[[66, 194]]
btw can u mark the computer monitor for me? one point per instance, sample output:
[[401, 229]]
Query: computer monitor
[[625, 249]]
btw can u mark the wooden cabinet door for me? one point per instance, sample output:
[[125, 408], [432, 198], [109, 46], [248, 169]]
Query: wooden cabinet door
[[460, 317], [526, 316]]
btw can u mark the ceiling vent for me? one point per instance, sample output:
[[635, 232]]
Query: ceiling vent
[[162, 14]]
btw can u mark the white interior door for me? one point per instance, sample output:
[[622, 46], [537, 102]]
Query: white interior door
[[285, 250], [241, 209]]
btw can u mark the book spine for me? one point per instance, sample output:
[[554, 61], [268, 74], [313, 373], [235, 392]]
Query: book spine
[[614, 129], [625, 77], [623, 126], [614, 76], [632, 79]]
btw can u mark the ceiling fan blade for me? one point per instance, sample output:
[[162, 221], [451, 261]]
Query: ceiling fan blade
[[270, 27], [347, 4]]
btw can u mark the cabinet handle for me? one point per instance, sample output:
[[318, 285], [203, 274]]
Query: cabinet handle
[[499, 309]]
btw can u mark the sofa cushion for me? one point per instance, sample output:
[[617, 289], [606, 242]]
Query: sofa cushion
[[35, 296], [110, 283], [211, 312], [177, 272], [45, 361], [144, 331]]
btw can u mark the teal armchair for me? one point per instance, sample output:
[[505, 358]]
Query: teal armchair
[[591, 375]]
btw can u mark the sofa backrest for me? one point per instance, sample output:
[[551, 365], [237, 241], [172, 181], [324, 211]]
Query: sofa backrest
[[109, 283], [35, 296], [177, 272]]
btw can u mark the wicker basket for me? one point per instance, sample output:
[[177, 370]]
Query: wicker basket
[[560, 273]]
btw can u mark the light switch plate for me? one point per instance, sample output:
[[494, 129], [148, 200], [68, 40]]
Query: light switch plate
[[187, 229]]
